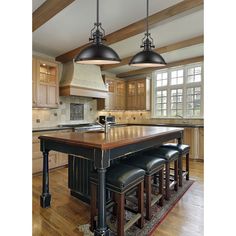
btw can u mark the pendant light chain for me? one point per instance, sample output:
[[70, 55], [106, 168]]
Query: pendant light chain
[[97, 13], [147, 57], [147, 17]]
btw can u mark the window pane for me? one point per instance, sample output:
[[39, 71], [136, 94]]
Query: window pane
[[180, 73], [164, 82], [197, 78], [173, 74], [173, 81], [164, 75], [180, 81], [198, 70], [158, 83]]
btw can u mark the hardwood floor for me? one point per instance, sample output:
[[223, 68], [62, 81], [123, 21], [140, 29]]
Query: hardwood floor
[[66, 212]]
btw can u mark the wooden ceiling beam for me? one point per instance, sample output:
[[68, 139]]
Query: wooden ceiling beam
[[161, 50], [139, 26], [146, 71], [47, 10]]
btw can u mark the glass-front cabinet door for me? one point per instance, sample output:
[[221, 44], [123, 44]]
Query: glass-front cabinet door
[[47, 84]]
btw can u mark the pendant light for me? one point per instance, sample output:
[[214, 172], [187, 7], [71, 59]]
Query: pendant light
[[97, 53], [148, 57]]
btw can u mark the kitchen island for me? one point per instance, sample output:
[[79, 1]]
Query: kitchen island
[[101, 149]]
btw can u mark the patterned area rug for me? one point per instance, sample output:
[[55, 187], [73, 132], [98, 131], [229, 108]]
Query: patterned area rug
[[159, 214]]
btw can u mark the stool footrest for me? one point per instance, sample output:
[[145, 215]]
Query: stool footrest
[[184, 173], [132, 221], [172, 184], [156, 198], [135, 218]]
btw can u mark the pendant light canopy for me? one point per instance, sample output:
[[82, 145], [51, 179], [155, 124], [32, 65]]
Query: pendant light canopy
[[97, 53], [148, 57]]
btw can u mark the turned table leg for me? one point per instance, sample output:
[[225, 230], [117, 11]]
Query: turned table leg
[[45, 197]]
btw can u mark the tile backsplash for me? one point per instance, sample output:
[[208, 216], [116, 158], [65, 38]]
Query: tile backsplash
[[54, 117]]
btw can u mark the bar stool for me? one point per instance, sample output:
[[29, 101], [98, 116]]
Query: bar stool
[[120, 179], [183, 150], [169, 156], [152, 166]]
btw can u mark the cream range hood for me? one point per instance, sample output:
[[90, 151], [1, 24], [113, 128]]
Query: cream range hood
[[82, 80]]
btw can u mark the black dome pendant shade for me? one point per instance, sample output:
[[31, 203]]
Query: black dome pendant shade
[[148, 57], [97, 53]]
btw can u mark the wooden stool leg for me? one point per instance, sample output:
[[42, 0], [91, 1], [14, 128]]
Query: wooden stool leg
[[180, 171], [155, 179], [114, 208], [120, 199], [93, 205], [176, 176], [148, 189], [140, 205], [167, 181], [161, 178], [187, 166]]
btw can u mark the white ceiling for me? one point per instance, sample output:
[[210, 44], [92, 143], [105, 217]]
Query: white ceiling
[[71, 27], [36, 4]]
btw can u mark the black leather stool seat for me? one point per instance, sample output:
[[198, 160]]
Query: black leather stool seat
[[181, 148], [120, 177], [146, 162], [165, 153]]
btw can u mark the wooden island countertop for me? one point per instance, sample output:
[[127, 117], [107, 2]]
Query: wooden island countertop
[[116, 137]]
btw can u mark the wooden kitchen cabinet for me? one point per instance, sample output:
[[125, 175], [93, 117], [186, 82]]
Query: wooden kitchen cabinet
[[34, 82], [55, 159], [195, 138], [116, 95], [45, 84], [190, 140], [138, 94], [120, 95], [201, 143]]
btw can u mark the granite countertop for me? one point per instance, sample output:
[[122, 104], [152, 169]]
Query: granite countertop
[[53, 128], [187, 125]]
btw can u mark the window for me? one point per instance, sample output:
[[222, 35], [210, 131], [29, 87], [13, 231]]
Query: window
[[193, 101], [161, 103], [178, 91], [176, 102]]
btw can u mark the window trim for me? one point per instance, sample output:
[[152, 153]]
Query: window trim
[[183, 86]]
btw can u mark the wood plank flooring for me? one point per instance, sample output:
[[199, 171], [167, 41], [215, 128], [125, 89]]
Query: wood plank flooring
[[67, 212]]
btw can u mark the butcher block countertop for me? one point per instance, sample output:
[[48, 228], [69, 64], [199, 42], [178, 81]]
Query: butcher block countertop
[[116, 137]]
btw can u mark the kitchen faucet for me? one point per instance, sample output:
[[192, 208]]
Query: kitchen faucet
[[106, 125]]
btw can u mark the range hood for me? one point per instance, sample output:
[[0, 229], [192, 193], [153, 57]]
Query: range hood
[[82, 80]]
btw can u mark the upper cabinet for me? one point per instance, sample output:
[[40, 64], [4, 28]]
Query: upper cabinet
[[116, 95], [138, 94], [133, 94], [45, 84]]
